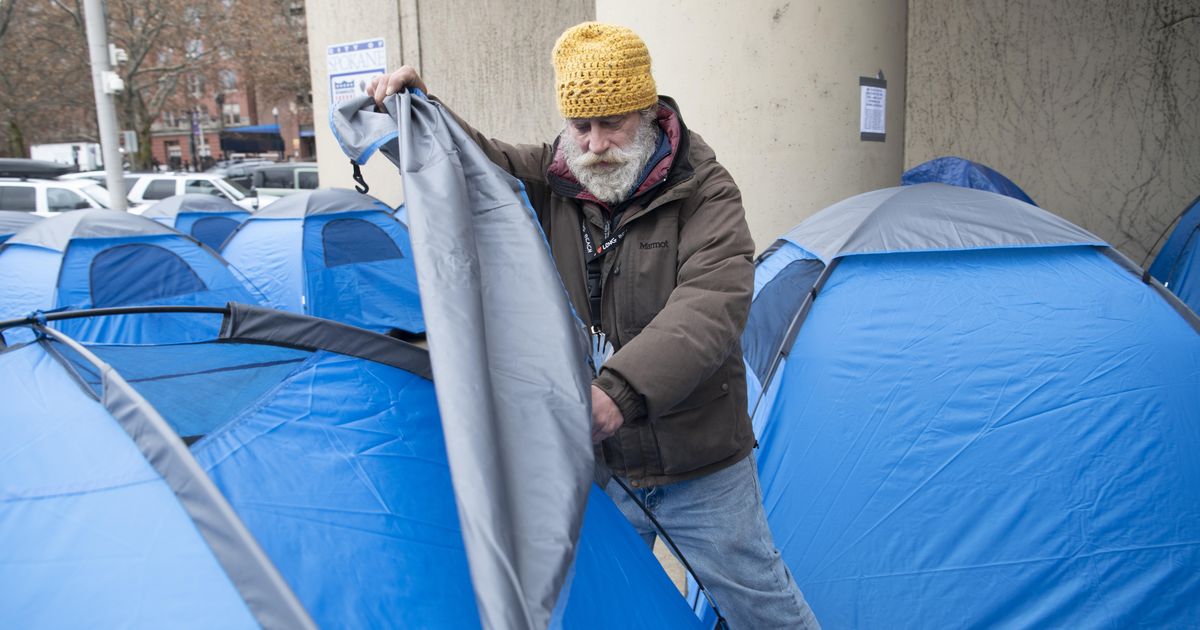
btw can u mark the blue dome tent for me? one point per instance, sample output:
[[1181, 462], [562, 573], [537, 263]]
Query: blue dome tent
[[332, 253], [1178, 263], [106, 258], [976, 415], [958, 171], [207, 218], [227, 483]]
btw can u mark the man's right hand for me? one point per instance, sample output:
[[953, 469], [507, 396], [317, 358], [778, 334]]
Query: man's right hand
[[384, 86]]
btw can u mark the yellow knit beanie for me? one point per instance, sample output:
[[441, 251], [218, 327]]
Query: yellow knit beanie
[[602, 70]]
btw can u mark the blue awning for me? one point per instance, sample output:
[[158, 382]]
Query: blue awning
[[252, 139], [273, 129]]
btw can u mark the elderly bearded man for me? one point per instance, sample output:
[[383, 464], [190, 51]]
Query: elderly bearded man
[[649, 235]]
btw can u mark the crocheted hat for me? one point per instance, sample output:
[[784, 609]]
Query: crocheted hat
[[602, 70]]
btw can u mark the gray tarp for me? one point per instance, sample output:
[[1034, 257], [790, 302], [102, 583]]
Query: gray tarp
[[508, 355]]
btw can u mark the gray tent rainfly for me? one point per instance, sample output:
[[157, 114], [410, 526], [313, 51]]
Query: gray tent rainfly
[[12, 222], [511, 374]]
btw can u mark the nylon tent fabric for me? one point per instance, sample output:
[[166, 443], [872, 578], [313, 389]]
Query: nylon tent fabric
[[209, 219], [509, 361], [1178, 263], [90, 535], [332, 253], [13, 222], [983, 437], [353, 503], [958, 171], [98, 258]]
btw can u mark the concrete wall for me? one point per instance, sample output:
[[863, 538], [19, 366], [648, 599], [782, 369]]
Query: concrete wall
[[773, 87], [1091, 106], [488, 59]]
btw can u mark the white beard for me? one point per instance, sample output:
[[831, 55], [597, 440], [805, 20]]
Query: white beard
[[610, 184]]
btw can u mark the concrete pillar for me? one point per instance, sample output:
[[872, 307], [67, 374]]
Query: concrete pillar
[[773, 87], [1090, 106], [488, 60]]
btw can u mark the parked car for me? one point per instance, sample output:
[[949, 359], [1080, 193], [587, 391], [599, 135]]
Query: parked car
[[23, 167], [48, 197], [145, 188], [99, 177], [284, 179], [238, 172]]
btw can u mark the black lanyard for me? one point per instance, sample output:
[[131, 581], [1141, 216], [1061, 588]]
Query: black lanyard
[[595, 258], [595, 253]]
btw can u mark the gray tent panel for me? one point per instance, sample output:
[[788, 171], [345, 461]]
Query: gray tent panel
[[191, 202], [511, 373], [12, 222], [320, 201], [56, 232], [264, 590], [932, 217]]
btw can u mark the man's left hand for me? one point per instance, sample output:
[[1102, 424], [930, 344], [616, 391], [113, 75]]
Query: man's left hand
[[606, 416]]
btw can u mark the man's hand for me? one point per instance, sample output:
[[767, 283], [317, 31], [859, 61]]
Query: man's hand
[[606, 416], [383, 86]]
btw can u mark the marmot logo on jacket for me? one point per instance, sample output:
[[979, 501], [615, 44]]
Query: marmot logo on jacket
[[653, 244]]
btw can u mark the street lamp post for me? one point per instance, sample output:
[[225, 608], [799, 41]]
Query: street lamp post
[[275, 113]]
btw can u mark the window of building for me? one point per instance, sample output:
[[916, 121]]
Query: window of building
[[195, 48], [195, 84], [174, 150], [232, 113], [228, 80]]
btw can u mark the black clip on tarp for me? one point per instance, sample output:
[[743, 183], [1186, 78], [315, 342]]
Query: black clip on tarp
[[361, 184]]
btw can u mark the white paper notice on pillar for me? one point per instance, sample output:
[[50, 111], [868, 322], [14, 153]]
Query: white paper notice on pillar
[[873, 108], [351, 66]]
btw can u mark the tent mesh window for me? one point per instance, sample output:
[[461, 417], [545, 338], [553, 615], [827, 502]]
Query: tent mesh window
[[139, 273], [213, 231], [772, 312], [348, 241]]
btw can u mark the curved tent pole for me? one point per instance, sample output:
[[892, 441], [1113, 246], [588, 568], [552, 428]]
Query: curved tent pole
[[1164, 233], [793, 330], [1122, 260], [722, 624], [41, 316], [254, 324], [266, 594]]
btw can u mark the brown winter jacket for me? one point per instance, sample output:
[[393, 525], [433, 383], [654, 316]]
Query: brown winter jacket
[[675, 296]]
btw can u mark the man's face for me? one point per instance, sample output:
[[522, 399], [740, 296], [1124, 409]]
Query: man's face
[[607, 154], [598, 135]]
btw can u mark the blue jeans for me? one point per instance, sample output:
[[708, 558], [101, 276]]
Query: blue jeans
[[720, 526]]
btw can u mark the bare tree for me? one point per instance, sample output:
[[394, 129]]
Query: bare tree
[[45, 88]]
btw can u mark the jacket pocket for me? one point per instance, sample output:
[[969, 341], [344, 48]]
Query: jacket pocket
[[699, 431]]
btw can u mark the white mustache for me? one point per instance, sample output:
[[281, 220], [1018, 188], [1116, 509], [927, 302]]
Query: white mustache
[[614, 156]]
